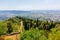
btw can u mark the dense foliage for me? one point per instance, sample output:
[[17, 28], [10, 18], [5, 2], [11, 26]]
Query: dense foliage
[[32, 29], [33, 34]]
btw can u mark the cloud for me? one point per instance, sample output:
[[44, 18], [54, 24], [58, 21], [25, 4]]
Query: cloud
[[32, 5]]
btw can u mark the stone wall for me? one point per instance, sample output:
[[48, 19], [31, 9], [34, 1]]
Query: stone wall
[[14, 36]]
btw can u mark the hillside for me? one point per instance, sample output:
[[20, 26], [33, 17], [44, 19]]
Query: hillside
[[32, 29]]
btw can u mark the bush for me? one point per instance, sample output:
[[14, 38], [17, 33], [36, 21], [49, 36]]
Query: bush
[[54, 34], [33, 34], [9, 39]]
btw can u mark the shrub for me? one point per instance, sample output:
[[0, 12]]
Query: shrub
[[33, 34], [9, 39]]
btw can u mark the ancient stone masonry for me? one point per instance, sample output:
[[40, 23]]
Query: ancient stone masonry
[[21, 26]]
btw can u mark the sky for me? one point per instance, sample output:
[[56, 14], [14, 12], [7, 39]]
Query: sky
[[29, 4]]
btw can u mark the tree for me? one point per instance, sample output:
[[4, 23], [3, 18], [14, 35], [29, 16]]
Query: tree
[[37, 22], [25, 25], [9, 26], [33, 34], [54, 34], [3, 28], [30, 24]]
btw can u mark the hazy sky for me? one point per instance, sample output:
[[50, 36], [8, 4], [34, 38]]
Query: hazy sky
[[29, 4]]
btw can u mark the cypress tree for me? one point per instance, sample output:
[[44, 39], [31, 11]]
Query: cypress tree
[[9, 26], [37, 22]]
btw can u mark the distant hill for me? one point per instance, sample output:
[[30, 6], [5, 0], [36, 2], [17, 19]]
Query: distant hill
[[41, 14], [11, 13]]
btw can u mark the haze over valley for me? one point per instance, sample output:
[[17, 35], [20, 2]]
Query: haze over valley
[[40, 14]]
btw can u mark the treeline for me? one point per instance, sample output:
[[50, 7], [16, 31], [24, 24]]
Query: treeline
[[45, 25]]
